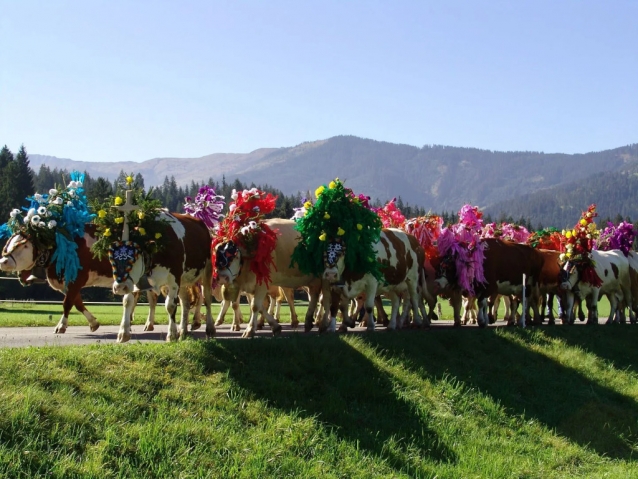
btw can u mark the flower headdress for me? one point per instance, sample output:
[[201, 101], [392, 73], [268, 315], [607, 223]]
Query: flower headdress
[[506, 232], [462, 241], [617, 237], [391, 216], [146, 227], [427, 230], [578, 243], [548, 238], [244, 225], [302, 210], [207, 206], [338, 214], [53, 221]]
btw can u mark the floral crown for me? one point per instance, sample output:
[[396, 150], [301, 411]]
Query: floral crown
[[244, 226], [391, 216], [578, 243], [207, 207], [53, 221], [548, 238], [338, 214], [620, 237], [146, 227]]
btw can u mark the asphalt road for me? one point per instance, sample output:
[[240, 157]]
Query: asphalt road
[[80, 335]]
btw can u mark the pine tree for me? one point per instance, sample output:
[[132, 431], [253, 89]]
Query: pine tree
[[24, 174]]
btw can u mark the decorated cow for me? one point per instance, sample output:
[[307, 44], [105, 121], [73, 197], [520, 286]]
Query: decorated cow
[[166, 252], [52, 235], [251, 254], [343, 243]]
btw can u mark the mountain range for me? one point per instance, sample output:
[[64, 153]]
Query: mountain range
[[439, 178]]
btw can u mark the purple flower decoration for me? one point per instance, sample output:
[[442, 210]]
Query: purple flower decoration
[[207, 207]]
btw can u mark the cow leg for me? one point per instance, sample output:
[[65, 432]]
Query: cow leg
[[222, 312], [414, 302], [289, 295], [79, 305], [382, 316], [568, 307], [151, 297], [549, 307], [184, 302], [313, 299], [208, 300], [257, 307], [369, 306], [326, 303], [581, 313], [237, 316], [171, 309], [199, 300], [67, 304], [395, 301], [455, 301], [493, 308], [128, 304]]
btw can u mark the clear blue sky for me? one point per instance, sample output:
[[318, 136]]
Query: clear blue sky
[[133, 80]]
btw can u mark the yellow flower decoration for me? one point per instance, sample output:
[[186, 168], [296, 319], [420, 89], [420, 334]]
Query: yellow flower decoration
[[568, 234], [307, 205], [341, 232], [322, 237], [158, 235], [359, 226], [118, 201], [142, 231], [140, 215], [583, 222], [319, 190], [332, 185], [101, 213], [568, 255], [129, 180], [119, 220], [107, 232], [326, 216]]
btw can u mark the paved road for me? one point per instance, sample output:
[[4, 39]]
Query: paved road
[[44, 336]]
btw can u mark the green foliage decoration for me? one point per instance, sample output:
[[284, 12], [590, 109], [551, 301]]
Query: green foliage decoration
[[146, 225], [338, 213]]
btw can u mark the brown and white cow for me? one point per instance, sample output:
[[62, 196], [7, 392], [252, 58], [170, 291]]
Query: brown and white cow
[[233, 270], [401, 258], [20, 255], [185, 261], [612, 267], [504, 265]]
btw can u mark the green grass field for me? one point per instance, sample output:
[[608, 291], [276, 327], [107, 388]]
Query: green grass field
[[31, 314], [495, 403]]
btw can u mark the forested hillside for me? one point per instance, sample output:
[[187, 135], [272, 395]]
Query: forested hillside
[[615, 194]]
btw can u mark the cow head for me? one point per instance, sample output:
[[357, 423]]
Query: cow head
[[128, 266], [334, 260], [228, 262], [445, 273], [18, 254], [568, 276]]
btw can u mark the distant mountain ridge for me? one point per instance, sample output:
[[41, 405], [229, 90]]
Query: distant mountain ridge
[[440, 178]]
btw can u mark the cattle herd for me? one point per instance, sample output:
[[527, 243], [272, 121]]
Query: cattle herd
[[411, 263]]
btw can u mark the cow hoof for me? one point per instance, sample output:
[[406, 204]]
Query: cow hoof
[[210, 333], [123, 337], [307, 327], [551, 322], [260, 326], [196, 326], [60, 330], [370, 329], [149, 327], [482, 325], [294, 324], [219, 322], [276, 330], [343, 329], [236, 327], [94, 327], [248, 333], [434, 317], [457, 324], [170, 339], [183, 334]]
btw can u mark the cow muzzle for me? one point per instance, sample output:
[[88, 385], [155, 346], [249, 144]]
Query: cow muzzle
[[122, 288], [332, 276], [7, 264]]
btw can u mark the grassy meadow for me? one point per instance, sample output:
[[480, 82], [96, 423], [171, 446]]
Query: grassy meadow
[[494, 403]]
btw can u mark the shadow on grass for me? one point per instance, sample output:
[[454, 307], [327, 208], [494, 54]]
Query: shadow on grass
[[334, 383], [528, 383]]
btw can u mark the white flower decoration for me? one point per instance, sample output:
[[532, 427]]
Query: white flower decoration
[[59, 201], [71, 193], [31, 212], [245, 230], [26, 220], [53, 192], [38, 197], [232, 208], [35, 220], [42, 211], [41, 224], [252, 225], [14, 213], [69, 203], [234, 195], [52, 224]]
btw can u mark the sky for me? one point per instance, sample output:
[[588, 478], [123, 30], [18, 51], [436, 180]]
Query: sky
[[129, 80]]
